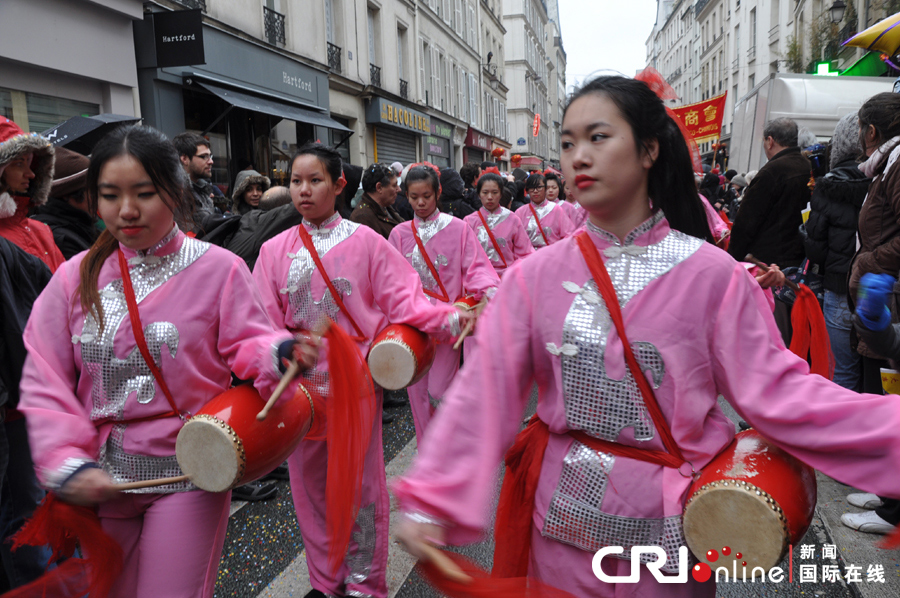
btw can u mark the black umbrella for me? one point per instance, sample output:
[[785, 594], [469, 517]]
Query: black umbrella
[[81, 133]]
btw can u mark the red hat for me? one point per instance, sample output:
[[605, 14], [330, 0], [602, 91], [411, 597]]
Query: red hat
[[15, 143]]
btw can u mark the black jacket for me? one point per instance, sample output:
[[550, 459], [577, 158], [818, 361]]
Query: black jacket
[[73, 230], [22, 278], [833, 222], [768, 221]]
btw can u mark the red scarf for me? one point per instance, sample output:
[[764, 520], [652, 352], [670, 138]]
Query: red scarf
[[491, 237], [443, 296], [537, 220]]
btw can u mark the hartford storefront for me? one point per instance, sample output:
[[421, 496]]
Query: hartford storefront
[[256, 106]]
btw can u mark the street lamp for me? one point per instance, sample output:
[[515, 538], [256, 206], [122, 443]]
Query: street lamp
[[837, 11]]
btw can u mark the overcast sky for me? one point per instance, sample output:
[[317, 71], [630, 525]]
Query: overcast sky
[[605, 34]]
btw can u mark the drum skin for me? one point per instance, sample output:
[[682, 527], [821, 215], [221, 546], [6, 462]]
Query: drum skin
[[258, 446], [400, 356], [753, 498]]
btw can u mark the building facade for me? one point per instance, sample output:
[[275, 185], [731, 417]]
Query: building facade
[[64, 58], [704, 48], [530, 77]]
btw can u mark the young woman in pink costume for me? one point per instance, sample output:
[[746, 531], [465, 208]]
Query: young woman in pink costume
[[376, 287], [699, 325], [501, 234], [556, 193], [97, 414], [451, 264], [545, 222]]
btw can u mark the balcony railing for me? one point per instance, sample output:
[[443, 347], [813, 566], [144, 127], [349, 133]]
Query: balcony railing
[[751, 54], [274, 26], [848, 31], [404, 89], [773, 34], [201, 4], [334, 58], [375, 75]]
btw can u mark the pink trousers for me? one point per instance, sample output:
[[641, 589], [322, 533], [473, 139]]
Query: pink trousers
[[171, 542], [363, 572], [432, 386], [569, 568]]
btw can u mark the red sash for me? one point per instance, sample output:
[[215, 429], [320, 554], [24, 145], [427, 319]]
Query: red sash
[[138, 329], [537, 220], [308, 244], [525, 458], [491, 237], [444, 297]]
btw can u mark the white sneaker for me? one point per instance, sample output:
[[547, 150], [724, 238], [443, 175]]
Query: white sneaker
[[864, 500], [867, 522]]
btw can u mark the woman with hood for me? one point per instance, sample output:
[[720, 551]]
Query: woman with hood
[[452, 198], [26, 173], [831, 242], [249, 187]]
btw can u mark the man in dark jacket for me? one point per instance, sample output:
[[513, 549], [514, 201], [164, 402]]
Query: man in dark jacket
[[375, 208], [66, 211], [452, 198], [770, 214], [768, 221], [22, 278]]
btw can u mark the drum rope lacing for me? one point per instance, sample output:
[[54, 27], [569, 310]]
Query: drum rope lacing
[[138, 329]]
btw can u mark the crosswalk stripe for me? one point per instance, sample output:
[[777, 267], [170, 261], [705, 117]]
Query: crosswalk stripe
[[293, 582]]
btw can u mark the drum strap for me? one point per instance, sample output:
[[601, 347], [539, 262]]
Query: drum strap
[[311, 248], [138, 329], [491, 237], [608, 292], [537, 221], [445, 297]]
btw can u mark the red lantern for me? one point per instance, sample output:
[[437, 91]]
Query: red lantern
[[497, 152]]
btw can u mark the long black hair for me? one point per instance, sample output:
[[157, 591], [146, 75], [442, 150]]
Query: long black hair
[[559, 183], [670, 181], [882, 111], [490, 177]]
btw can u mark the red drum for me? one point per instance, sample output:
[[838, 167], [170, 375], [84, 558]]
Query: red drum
[[224, 445], [467, 303], [400, 356], [753, 498]]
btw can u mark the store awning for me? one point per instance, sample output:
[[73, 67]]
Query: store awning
[[273, 107]]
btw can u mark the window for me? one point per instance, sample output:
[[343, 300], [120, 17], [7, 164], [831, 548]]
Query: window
[[6, 103], [458, 17], [424, 69], [329, 22], [45, 112], [753, 28], [473, 101], [372, 42], [462, 87], [401, 52]]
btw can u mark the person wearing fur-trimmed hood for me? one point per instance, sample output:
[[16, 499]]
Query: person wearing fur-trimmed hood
[[26, 173], [249, 187]]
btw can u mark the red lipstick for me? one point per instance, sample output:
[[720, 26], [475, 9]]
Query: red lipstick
[[583, 181]]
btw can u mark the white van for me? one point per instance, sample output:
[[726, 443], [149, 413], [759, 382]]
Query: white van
[[813, 101]]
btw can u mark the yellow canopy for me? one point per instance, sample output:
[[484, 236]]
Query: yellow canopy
[[883, 36]]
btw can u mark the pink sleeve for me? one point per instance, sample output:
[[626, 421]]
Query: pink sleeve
[[397, 290], [59, 425], [268, 285], [522, 246], [849, 436], [478, 419], [478, 273], [395, 240], [248, 343], [716, 225]]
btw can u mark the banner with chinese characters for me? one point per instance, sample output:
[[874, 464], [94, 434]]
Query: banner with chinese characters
[[703, 120]]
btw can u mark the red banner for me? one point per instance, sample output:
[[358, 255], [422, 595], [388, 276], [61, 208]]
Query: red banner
[[704, 119], [537, 125]]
